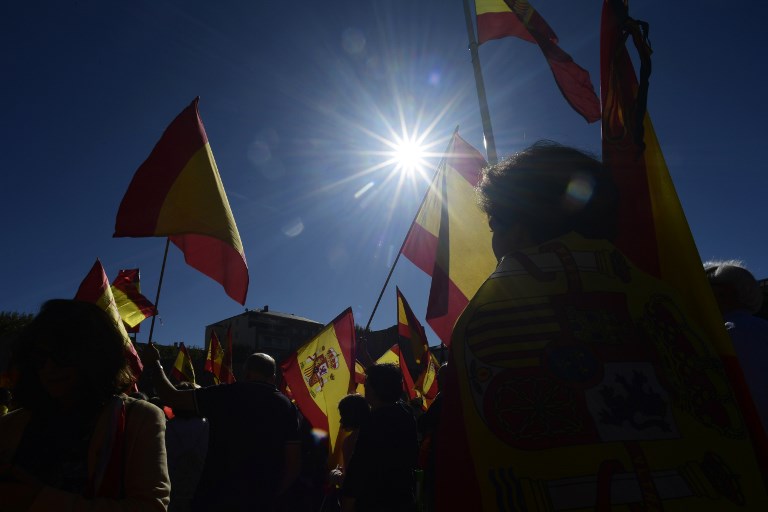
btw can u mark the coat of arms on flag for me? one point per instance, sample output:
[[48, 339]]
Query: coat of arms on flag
[[318, 369]]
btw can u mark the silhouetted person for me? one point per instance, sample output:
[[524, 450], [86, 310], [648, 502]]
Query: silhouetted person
[[575, 378], [186, 442], [739, 297], [380, 473], [77, 442], [253, 449], [429, 424]]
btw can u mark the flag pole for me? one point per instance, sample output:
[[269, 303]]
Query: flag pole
[[159, 285], [485, 115], [440, 165]]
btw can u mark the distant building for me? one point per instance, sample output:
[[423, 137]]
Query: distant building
[[261, 330]]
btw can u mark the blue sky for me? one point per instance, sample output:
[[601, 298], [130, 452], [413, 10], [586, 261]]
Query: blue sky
[[297, 98]]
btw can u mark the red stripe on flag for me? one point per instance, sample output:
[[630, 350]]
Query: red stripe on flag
[[344, 327], [140, 208], [444, 306], [495, 25], [621, 153], [420, 247], [466, 160], [216, 259], [456, 485]]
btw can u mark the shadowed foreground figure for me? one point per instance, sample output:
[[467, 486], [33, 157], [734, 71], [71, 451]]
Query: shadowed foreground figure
[[77, 442], [739, 297], [576, 381], [253, 449], [380, 473]]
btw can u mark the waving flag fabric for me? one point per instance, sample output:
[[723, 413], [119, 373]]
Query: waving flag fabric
[[177, 192], [450, 239], [594, 374], [391, 356], [321, 372], [410, 329], [414, 340], [426, 383], [132, 306], [502, 18], [214, 358], [183, 371], [654, 232], [95, 288]]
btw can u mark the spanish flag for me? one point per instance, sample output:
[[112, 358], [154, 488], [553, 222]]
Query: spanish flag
[[653, 230], [426, 383], [321, 372], [502, 18], [594, 374], [214, 358], [131, 304], [183, 371], [95, 288], [413, 340], [177, 192], [449, 238]]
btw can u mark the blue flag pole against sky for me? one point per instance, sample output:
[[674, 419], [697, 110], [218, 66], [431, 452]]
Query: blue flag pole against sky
[[306, 103]]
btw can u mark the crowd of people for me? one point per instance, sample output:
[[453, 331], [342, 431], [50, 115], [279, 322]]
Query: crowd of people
[[75, 440]]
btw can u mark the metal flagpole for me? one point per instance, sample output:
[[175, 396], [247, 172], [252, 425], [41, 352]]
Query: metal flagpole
[[490, 143], [159, 285]]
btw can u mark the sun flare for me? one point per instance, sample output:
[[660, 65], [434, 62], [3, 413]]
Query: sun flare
[[409, 156]]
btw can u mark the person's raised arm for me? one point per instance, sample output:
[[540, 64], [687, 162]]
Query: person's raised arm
[[179, 400]]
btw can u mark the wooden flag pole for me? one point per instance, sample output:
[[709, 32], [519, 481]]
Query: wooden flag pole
[[485, 115], [159, 285], [421, 207]]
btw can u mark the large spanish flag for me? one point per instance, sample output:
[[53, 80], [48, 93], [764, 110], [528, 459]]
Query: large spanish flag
[[594, 374], [321, 372], [182, 370], [502, 18], [95, 288], [131, 304], [177, 192], [449, 238], [653, 230]]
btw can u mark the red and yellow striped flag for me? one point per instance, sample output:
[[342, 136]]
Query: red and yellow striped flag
[[596, 374], [177, 192], [412, 335], [95, 288], [132, 306], [183, 371], [502, 18], [214, 358], [449, 238], [321, 372], [653, 230]]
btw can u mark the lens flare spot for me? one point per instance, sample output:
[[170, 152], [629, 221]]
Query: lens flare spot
[[578, 193], [363, 190], [353, 41], [259, 152], [293, 228]]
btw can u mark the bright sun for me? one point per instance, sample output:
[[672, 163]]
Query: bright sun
[[408, 156]]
